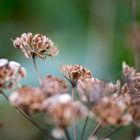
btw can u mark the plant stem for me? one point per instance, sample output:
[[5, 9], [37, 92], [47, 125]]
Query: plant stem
[[134, 33], [67, 134], [84, 127], [133, 135], [108, 135], [74, 125], [36, 70], [28, 117], [96, 129]]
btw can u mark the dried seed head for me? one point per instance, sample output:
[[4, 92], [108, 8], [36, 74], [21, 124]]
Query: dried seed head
[[52, 85], [10, 73], [111, 111], [131, 92], [92, 89], [75, 72], [35, 45], [28, 98], [62, 110]]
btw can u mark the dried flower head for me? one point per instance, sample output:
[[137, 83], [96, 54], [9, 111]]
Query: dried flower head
[[62, 110], [131, 92], [35, 45], [28, 98], [92, 89], [52, 85], [10, 73], [75, 72], [111, 111]]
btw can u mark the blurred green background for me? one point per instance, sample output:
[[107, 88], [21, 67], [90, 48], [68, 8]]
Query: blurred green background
[[93, 33]]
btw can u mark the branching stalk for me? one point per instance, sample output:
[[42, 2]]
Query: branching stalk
[[28, 117]]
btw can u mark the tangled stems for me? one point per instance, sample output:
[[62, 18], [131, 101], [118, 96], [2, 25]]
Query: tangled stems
[[28, 117], [36, 69]]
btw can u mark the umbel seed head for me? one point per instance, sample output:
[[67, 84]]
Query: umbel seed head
[[35, 45], [10, 73]]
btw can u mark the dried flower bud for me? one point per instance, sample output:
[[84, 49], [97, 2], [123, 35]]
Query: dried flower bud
[[37, 45], [28, 98], [62, 110], [10, 73], [52, 85], [111, 111], [75, 72], [92, 89]]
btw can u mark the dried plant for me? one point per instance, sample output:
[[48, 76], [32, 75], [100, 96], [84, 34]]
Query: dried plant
[[107, 103]]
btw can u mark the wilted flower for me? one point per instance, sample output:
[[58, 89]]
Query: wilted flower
[[35, 45], [75, 72], [111, 111], [131, 92], [10, 73], [92, 89], [27, 98], [62, 110], [52, 85]]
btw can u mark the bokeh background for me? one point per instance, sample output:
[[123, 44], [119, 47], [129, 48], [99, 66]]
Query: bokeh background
[[93, 33]]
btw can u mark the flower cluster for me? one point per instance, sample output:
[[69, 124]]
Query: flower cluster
[[28, 99], [63, 111], [52, 85], [35, 45], [131, 91], [10, 73], [110, 104], [75, 72], [111, 111], [92, 89]]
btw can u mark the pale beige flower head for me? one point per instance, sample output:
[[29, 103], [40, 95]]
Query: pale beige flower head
[[35, 45], [92, 89], [51, 86], [112, 111], [63, 111], [75, 72], [27, 98], [10, 73]]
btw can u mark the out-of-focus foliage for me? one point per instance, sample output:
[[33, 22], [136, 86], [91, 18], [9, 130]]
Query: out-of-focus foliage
[[93, 33]]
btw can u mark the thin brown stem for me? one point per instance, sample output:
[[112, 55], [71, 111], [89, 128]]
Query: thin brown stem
[[96, 129], [74, 125], [28, 117], [84, 127], [36, 70]]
